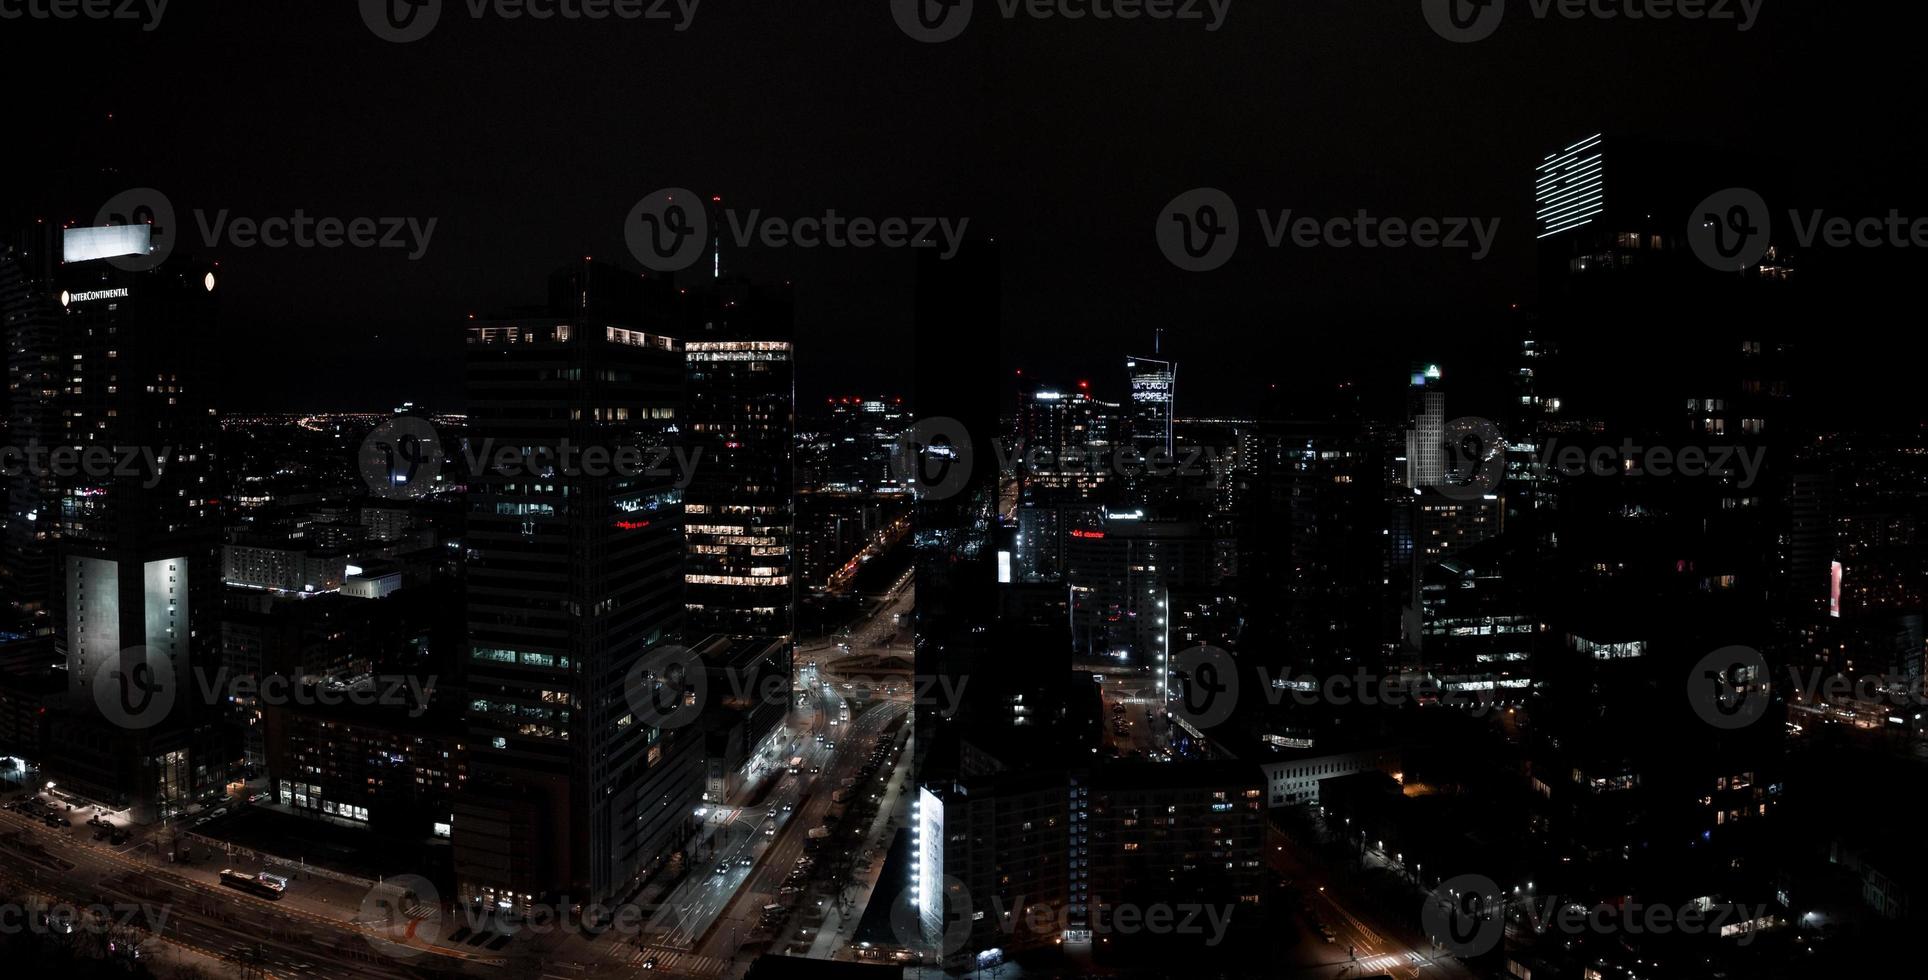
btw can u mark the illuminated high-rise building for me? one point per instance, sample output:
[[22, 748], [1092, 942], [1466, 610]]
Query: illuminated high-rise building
[[740, 431], [138, 536], [1154, 391], [574, 576]]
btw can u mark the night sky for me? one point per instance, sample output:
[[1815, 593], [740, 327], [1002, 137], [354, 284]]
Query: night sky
[[529, 142]]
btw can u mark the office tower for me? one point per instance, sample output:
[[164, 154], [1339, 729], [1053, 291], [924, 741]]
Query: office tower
[[137, 551], [852, 447], [574, 575], [1122, 572], [1310, 516], [1068, 441], [1661, 355], [30, 314], [740, 429], [1154, 394], [1426, 437], [957, 306]]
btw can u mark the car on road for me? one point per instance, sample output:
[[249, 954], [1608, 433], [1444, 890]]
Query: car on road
[[649, 964], [723, 869]]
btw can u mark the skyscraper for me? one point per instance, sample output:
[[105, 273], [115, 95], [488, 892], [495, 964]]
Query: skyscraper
[[574, 575], [136, 516], [740, 430], [1154, 389]]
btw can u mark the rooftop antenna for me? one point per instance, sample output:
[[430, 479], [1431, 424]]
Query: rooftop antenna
[[716, 242]]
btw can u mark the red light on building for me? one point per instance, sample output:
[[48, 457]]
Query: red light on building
[[631, 525], [1092, 535]]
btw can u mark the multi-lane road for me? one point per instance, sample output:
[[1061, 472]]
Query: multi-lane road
[[182, 907]]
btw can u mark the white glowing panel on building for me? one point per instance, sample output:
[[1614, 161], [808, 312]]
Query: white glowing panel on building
[[1570, 188], [106, 242], [928, 887]]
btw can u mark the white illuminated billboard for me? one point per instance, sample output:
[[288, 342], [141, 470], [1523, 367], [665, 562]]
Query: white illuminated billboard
[[105, 242]]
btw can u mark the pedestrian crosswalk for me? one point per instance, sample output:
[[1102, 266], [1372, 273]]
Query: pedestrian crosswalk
[[663, 959]]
